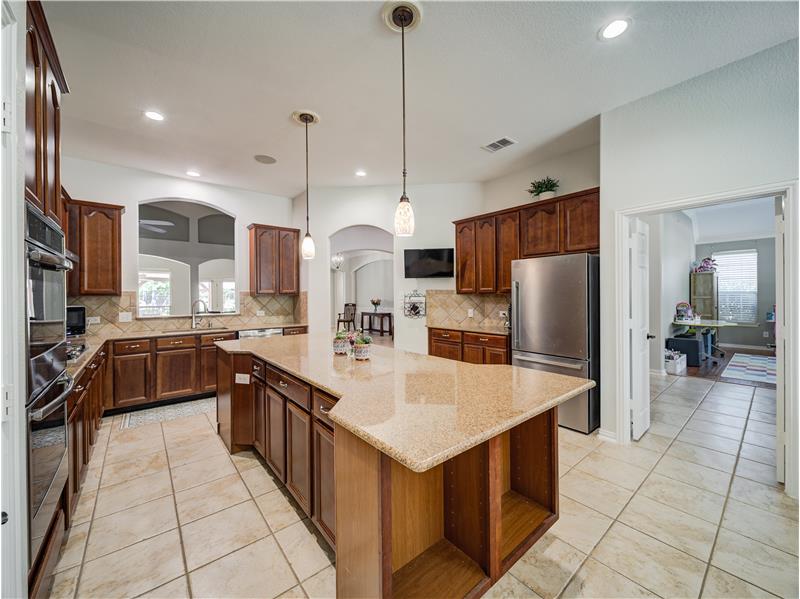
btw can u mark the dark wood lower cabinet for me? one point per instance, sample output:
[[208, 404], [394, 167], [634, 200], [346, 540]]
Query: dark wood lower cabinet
[[445, 349], [495, 356], [40, 579], [298, 455], [77, 452], [475, 348], [176, 373], [208, 368], [472, 354], [260, 417], [276, 433], [324, 513], [132, 379]]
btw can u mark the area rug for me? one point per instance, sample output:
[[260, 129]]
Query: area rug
[[751, 368], [170, 412]]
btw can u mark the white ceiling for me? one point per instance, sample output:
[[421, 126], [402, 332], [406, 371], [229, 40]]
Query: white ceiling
[[734, 221], [227, 75]]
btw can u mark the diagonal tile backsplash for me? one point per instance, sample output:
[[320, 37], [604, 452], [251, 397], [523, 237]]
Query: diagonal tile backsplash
[[446, 308]]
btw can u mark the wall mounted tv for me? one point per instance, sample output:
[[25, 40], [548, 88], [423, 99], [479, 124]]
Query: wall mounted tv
[[429, 263]]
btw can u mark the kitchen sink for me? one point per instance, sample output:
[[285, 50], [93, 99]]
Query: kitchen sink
[[198, 330]]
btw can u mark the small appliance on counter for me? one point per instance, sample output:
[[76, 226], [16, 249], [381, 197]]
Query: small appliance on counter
[[76, 321]]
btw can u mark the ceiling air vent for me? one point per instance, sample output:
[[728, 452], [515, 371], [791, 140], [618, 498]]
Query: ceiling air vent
[[501, 143]]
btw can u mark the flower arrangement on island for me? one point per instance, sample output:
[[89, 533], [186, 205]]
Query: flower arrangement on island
[[356, 342]]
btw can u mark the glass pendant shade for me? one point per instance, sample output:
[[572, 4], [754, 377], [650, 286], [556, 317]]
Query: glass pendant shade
[[404, 218], [307, 249]]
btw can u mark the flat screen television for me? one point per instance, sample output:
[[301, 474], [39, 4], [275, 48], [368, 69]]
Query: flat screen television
[[428, 263]]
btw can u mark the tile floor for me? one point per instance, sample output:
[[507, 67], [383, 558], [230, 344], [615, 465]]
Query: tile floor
[[691, 510]]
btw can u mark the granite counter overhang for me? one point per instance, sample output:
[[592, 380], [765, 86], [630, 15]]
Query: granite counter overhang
[[419, 410]]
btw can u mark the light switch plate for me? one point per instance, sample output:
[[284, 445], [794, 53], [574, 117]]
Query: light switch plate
[[242, 379], [503, 314], [125, 316], [260, 313], [470, 313], [92, 320]]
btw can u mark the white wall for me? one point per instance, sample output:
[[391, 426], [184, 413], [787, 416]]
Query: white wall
[[733, 128], [435, 207], [576, 171], [179, 281], [375, 279], [99, 182]]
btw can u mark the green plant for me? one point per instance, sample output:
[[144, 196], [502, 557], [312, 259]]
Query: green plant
[[543, 186], [362, 339], [341, 335]]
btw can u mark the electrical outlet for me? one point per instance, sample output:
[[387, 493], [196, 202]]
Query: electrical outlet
[[470, 313], [92, 320], [125, 316], [503, 314], [260, 313], [765, 334]]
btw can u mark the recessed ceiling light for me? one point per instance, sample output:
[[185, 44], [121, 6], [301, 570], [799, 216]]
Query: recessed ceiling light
[[192, 173], [264, 159], [360, 173], [614, 29], [154, 116]]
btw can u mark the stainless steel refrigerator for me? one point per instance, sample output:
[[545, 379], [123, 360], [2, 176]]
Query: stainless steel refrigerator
[[555, 314]]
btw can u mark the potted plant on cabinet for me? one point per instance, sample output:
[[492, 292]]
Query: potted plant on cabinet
[[544, 189]]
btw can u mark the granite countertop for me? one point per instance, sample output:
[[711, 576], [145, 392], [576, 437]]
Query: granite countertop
[[418, 409], [94, 342], [475, 328]]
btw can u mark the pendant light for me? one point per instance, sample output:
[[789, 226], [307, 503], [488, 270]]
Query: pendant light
[[402, 17], [307, 249]]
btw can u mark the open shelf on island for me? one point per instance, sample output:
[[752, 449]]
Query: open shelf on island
[[521, 517], [442, 570]]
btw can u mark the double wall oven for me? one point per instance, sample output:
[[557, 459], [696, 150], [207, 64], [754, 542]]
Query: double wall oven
[[49, 385]]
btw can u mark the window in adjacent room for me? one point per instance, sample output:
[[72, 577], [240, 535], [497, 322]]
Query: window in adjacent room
[[154, 293], [737, 285]]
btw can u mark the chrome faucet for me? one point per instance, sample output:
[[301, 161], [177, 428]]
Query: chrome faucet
[[195, 317]]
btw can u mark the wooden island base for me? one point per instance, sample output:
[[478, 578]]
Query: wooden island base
[[451, 531]]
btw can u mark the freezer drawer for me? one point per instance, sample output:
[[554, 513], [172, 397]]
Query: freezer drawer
[[581, 413]]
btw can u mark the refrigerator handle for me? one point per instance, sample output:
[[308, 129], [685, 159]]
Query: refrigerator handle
[[549, 362], [515, 314]]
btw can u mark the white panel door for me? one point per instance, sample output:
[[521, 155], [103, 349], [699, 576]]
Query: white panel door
[[638, 310]]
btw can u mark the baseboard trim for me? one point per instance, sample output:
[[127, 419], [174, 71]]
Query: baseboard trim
[[661, 372], [742, 346], [607, 436]]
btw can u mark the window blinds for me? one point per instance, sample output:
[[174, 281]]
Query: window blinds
[[737, 280]]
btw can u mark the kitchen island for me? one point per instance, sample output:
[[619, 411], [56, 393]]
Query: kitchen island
[[445, 472]]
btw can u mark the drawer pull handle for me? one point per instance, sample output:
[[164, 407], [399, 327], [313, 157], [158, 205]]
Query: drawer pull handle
[[78, 389], [256, 367], [102, 354], [282, 384], [218, 338], [445, 334], [176, 342], [133, 346], [482, 339], [324, 410], [92, 366]]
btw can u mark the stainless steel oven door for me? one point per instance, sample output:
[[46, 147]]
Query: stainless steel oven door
[[47, 299], [48, 466]]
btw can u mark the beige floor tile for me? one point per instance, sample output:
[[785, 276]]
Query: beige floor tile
[[673, 527], [127, 451], [657, 415], [764, 406], [756, 563], [196, 473], [772, 529], [594, 580], [709, 441], [245, 459], [765, 497], [762, 417], [73, 547], [548, 565], [703, 456], [734, 389], [133, 492], [202, 500], [588, 441], [659, 568], [717, 418], [134, 570], [670, 431], [719, 584], [509, 587], [764, 393], [684, 497], [83, 511], [206, 448], [279, 509], [563, 469], [130, 526], [763, 473], [765, 428], [257, 570], [711, 405], [259, 481], [619, 473], [306, 552], [322, 585], [92, 480], [225, 531], [295, 592], [571, 454], [678, 399], [760, 439], [758, 454], [65, 583], [712, 428], [135, 434], [630, 454], [579, 525], [598, 494], [653, 442], [671, 408], [119, 472], [175, 589], [703, 477]]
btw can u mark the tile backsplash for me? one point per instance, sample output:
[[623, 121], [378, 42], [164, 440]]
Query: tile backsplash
[[278, 310], [445, 307]]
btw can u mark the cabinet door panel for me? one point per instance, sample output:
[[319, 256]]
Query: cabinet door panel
[[260, 417], [324, 483], [208, 369], [496, 356], [443, 349], [34, 176], [100, 251], [485, 246], [176, 373], [52, 148], [131, 379], [276, 433], [298, 455], [288, 262], [266, 268], [507, 226], [473, 354], [580, 219], [465, 257], [539, 229]]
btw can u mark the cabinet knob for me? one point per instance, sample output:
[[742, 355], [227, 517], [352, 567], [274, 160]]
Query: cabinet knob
[[282, 384], [324, 410], [102, 354]]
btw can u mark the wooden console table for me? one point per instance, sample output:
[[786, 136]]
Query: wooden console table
[[370, 317]]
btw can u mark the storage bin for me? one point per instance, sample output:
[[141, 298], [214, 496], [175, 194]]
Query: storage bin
[[677, 366]]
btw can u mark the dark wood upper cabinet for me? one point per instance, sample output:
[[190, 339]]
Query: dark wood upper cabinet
[[94, 233], [52, 149], [485, 252], [539, 229], [34, 104], [465, 257], [274, 260], [580, 223], [507, 231], [298, 455]]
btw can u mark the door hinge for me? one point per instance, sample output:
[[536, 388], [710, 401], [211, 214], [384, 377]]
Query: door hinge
[[5, 411], [7, 116]]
